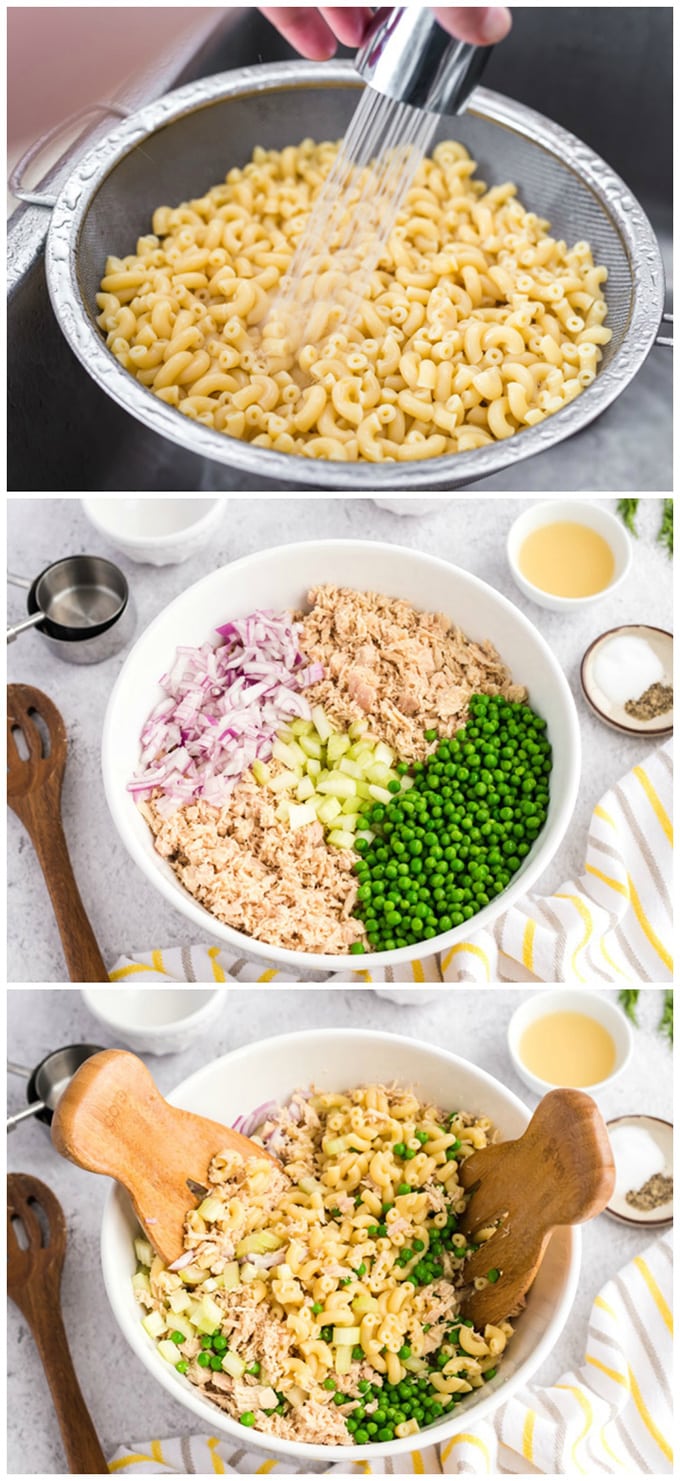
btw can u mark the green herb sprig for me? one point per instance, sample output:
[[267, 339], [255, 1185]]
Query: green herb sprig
[[627, 508], [665, 535]]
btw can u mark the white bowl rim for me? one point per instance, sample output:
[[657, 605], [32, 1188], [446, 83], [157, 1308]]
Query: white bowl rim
[[310, 961], [91, 997], [272, 1443], [576, 996], [554, 506], [159, 542]]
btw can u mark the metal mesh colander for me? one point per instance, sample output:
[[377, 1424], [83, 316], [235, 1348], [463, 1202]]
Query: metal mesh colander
[[182, 144]]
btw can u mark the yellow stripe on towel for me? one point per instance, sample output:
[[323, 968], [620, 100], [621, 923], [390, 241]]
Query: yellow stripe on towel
[[528, 1435], [528, 945], [466, 1439], [130, 971], [655, 800], [648, 929], [467, 946], [588, 1411], [609, 1372], [586, 917], [646, 1417], [219, 975], [217, 1463], [652, 1287]]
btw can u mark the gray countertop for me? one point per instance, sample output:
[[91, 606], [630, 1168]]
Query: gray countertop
[[126, 915], [125, 1404]]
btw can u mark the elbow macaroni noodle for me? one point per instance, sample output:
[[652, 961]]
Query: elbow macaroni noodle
[[478, 322], [335, 1277]]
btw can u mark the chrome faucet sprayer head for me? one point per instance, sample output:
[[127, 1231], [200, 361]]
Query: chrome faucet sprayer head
[[408, 56]]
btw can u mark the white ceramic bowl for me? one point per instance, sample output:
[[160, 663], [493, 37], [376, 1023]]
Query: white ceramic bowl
[[156, 1020], [578, 511], [156, 532], [570, 1000], [280, 578], [337, 1059]]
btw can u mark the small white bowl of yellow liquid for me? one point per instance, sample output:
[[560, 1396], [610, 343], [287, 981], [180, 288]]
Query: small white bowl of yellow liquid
[[566, 553], [569, 1038]]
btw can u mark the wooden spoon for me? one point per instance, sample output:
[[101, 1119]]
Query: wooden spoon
[[34, 794], [112, 1119], [34, 1284], [560, 1171]]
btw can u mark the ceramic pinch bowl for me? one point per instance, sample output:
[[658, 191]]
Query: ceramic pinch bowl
[[613, 713]]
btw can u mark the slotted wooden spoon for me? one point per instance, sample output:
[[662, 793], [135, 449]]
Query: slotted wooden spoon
[[34, 1285], [34, 794], [112, 1119], [560, 1171]]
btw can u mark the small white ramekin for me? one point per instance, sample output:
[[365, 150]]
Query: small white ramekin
[[570, 1000], [194, 521], [156, 1020], [578, 511]]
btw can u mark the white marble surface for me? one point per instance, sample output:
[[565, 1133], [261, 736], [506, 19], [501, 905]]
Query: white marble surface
[[127, 916], [125, 1404]]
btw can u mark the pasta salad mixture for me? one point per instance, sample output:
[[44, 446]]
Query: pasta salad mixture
[[320, 1301], [478, 322], [361, 776]]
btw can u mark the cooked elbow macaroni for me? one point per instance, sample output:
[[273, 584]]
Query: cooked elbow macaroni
[[320, 1294], [477, 323]]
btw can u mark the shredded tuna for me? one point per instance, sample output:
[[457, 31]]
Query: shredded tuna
[[245, 866], [406, 670]]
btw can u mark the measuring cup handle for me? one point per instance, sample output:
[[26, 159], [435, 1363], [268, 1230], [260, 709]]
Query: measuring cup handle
[[12, 1121], [22, 627], [23, 581]]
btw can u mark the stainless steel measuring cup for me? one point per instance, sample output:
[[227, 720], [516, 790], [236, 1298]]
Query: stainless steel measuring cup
[[81, 606], [48, 1081]]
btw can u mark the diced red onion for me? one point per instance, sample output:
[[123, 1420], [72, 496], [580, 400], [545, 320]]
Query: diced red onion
[[223, 707], [267, 1262], [183, 1260]]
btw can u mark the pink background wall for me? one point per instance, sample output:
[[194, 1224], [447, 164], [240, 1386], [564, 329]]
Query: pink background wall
[[59, 59]]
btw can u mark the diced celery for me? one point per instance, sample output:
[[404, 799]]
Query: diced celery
[[362, 1304], [364, 790], [406, 783], [311, 745], [378, 774], [313, 767], [348, 821], [352, 805], [384, 754], [367, 834], [192, 1275], [258, 1243], [144, 1252], [300, 814], [182, 1324], [286, 734], [301, 727], [282, 811], [346, 1336], [230, 1276], [285, 781], [357, 728], [322, 723], [154, 1324], [333, 1147], [308, 1185], [304, 789], [179, 1301], [260, 772], [141, 1282], [211, 1209], [170, 1351], [363, 755], [337, 745], [350, 768], [329, 809], [380, 793], [340, 838], [286, 754], [207, 1316], [233, 1364], [337, 785], [343, 1359]]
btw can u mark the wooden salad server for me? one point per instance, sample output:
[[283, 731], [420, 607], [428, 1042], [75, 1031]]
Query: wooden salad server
[[112, 1119], [560, 1171], [34, 794], [34, 1285]]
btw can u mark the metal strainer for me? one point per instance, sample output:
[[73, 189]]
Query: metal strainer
[[181, 144]]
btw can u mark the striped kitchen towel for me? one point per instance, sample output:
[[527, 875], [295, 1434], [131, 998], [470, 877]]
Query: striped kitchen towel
[[612, 924], [612, 1416]]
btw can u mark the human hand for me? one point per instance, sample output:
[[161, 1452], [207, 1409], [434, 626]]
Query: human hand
[[316, 32]]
